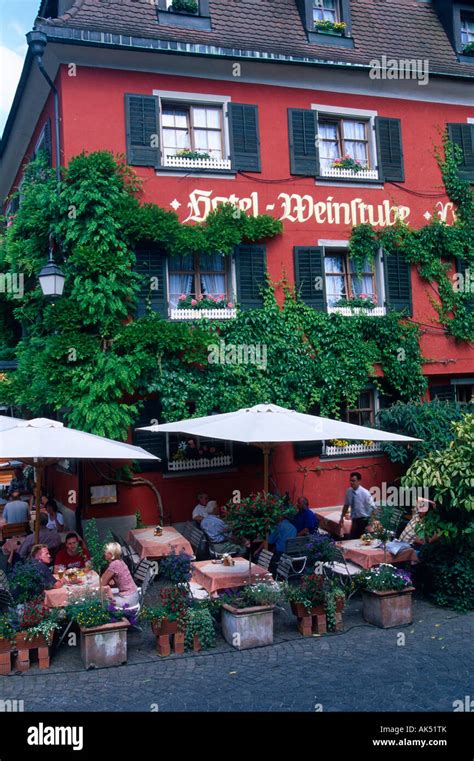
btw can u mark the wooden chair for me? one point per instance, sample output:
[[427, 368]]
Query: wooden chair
[[187, 529], [15, 529], [264, 559], [197, 540]]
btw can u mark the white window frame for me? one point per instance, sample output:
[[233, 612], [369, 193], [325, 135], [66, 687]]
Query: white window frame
[[353, 113], [191, 98], [380, 310]]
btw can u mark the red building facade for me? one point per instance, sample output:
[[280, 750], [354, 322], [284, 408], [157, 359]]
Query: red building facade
[[265, 104]]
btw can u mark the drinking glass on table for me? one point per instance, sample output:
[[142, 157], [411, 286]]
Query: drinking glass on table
[[61, 569]]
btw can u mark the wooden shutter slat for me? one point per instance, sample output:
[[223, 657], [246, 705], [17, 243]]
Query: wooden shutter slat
[[142, 130], [309, 275], [251, 270], [302, 132], [152, 264], [390, 149], [244, 137], [397, 272], [462, 135]]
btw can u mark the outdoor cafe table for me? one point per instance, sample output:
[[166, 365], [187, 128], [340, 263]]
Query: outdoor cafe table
[[147, 545], [216, 576], [329, 518], [367, 556], [59, 598]]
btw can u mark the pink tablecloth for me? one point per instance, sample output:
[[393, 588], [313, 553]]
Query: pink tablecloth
[[329, 518], [59, 598], [215, 576], [147, 545], [369, 556]]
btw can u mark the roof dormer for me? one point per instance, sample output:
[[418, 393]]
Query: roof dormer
[[458, 21], [327, 22], [186, 14]]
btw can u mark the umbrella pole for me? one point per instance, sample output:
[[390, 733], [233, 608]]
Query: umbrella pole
[[39, 478], [266, 468]]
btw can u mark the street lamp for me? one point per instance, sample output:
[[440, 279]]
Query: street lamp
[[51, 277]]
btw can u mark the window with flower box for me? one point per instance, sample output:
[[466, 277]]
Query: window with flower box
[[187, 453], [346, 288], [344, 145], [363, 412], [467, 30], [327, 22], [199, 282], [187, 14], [192, 132]]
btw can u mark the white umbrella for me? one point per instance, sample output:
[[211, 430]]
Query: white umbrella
[[267, 424], [8, 422], [42, 441]]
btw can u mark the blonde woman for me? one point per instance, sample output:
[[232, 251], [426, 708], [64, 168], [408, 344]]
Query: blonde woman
[[118, 575]]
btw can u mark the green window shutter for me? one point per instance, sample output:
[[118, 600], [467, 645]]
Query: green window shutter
[[445, 393], [305, 449], [309, 276], [152, 442], [142, 130], [390, 149], [302, 132], [151, 264], [397, 272], [244, 137], [463, 269], [251, 268], [462, 135]]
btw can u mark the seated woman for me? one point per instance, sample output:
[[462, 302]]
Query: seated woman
[[117, 575], [56, 520]]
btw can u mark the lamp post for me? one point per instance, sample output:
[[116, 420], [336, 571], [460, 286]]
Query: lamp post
[[51, 278]]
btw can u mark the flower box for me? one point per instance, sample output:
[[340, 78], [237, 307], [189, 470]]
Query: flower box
[[225, 313], [387, 609], [168, 637], [6, 649], [23, 645], [342, 173], [222, 461], [334, 32], [310, 621], [104, 646], [244, 628], [184, 162]]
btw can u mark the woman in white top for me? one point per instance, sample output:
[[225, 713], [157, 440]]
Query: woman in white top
[[56, 520]]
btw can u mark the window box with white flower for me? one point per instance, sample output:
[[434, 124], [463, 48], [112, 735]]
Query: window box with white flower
[[199, 287], [196, 453]]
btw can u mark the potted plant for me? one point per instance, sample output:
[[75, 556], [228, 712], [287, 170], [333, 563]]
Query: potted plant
[[307, 604], [386, 596], [187, 153], [176, 568], [35, 625], [347, 162], [103, 629], [254, 517], [26, 583], [7, 638], [334, 603], [468, 49], [247, 614], [169, 618], [330, 27], [200, 633], [362, 301], [184, 6], [204, 302]]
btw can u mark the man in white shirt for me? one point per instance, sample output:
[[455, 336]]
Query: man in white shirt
[[201, 510], [361, 503]]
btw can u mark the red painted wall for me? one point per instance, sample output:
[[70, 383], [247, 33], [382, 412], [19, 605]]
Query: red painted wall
[[93, 119]]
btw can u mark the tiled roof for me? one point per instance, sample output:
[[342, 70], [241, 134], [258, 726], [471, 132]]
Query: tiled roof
[[397, 28]]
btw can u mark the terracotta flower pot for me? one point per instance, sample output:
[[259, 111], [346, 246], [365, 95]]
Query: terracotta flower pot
[[5, 646], [22, 643], [196, 643], [104, 646], [300, 611], [386, 609], [164, 627], [248, 627], [6, 649]]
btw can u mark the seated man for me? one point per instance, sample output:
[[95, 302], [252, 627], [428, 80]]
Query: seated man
[[73, 554], [413, 532], [305, 520], [40, 560], [18, 483], [201, 510], [219, 533], [47, 536], [283, 530], [16, 510]]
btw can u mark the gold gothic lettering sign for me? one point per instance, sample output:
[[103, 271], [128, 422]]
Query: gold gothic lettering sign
[[296, 208]]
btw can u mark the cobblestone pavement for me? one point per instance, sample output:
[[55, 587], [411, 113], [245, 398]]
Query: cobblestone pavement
[[361, 669]]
